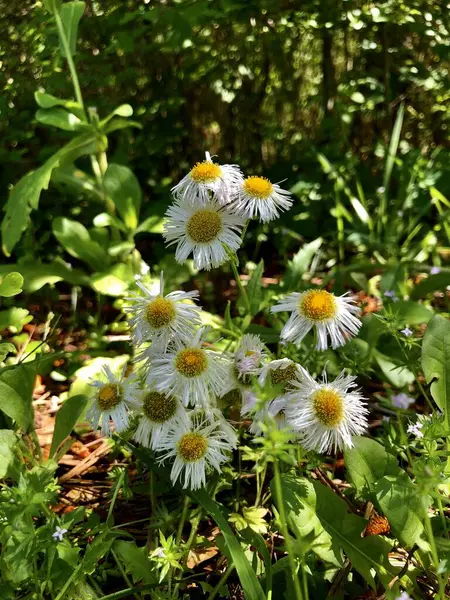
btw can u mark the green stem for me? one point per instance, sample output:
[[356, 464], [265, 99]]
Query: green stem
[[71, 64], [122, 572], [114, 498], [152, 512], [221, 581], [186, 502], [240, 286], [284, 530]]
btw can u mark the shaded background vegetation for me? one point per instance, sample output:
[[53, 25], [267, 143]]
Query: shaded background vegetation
[[266, 84]]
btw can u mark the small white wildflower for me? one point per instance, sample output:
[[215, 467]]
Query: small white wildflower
[[258, 197], [203, 230], [326, 414], [161, 318], [415, 429], [435, 270], [331, 316], [195, 375], [114, 396], [196, 450], [407, 332], [209, 177], [402, 400], [390, 294], [59, 533]]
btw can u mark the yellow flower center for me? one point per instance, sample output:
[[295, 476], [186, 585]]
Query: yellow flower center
[[204, 226], [192, 447], [318, 305], [205, 172], [328, 406], [284, 375], [159, 407], [160, 312], [258, 187], [191, 362], [109, 396]]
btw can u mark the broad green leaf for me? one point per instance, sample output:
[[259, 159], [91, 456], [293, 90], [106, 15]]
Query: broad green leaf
[[37, 274], [11, 284], [14, 319], [300, 500], [45, 100], [8, 441], [50, 5], [433, 283], [5, 349], [393, 147], [124, 110], [250, 584], [345, 529], [411, 312], [107, 220], [75, 238], [398, 376], [114, 281], [267, 334], [367, 462], [26, 193], [60, 118], [16, 390], [124, 190], [402, 503], [136, 561], [436, 361], [120, 123], [71, 13], [153, 224], [66, 419]]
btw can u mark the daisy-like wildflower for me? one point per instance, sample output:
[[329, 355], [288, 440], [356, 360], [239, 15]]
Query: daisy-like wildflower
[[202, 230], [114, 396], [59, 532], [331, 316], [259, 197], [160, 318], [402, 400], [326, 414], [158, 411], [415, 430], [281, 373], [196, 449], [190, 372], [208, 177], [213, 416]]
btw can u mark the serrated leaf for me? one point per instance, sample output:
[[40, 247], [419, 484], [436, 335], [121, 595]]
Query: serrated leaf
[[8, 441], [136, 561]]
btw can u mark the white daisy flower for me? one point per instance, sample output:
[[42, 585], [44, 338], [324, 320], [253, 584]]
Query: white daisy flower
[[114, 396], [197, 449], [274, 410], [258, 197], [206, 177], [213, 416], [160, 318], [158, 412], [281, 372], [246, 364], [331, 315], [193, 374], [202, 230], [326, 414]]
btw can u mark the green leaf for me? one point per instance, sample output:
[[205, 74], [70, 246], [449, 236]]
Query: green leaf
[[124, 110], [26, 193], [107, 220], [14, 319], [45, 100], [431, 284], [345, 529], [75, 238], [300, 263], [51, 4], [398, 376], [436, 361], [37, 275], [60, 118], [124, 190], [300, 501], [411, 312], [16, 390], [114, 281], [367, 462], [66, 419], [11, 285], [8, 441], [393, 147], [71, 13], [153, 224], [254, 290], [5, 349], [250, 584], [136, 561]]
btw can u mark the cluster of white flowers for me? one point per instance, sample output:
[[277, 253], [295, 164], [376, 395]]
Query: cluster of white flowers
[[182, 380]]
